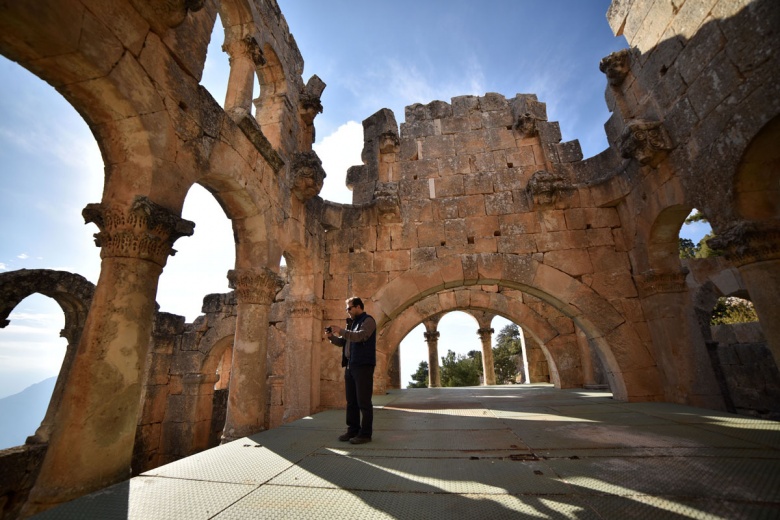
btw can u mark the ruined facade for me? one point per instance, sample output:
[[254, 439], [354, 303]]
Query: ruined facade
[[473, 204]]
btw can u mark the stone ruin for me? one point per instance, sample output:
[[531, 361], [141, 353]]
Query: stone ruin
[[474, 204]]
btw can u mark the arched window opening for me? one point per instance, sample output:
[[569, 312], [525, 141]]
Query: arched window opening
[[694, 234], [202, 261], [747, 373], [32, 352], [216, 71], [414, 359], [223, 370]]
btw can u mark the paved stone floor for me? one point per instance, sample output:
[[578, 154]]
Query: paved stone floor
[[480, 452]]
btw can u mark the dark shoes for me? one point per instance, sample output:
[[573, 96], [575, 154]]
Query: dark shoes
[[359, 440], [346, 437]]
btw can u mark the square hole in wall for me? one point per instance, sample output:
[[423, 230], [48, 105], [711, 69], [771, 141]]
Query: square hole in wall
[[470, 240], [496, 233], [509, 165]]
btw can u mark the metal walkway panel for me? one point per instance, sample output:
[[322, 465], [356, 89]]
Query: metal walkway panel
[[717, 478], [242, 461], [146, 498], [420, 475], [464, 439], [643, 507], [282, 503]]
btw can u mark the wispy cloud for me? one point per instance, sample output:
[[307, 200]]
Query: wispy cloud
[[23, 256]]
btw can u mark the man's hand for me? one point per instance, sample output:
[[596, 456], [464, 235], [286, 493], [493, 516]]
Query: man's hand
[[337, 330]]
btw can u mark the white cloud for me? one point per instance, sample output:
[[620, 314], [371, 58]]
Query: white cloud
[[3, 267], [23, 256], [338, 151]]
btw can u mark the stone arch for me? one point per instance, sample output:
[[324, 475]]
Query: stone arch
[[630, 368], [449, 300], [271, 104], [756, 187], [73, 293], [205, 408]]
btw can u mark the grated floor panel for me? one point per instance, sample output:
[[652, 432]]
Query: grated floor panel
[[488, 452]]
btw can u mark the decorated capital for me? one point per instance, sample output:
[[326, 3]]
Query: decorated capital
[[307, 175], [145, 230], [645, 141], [431, 336], [616, 67], [257, 286], [247, 47]]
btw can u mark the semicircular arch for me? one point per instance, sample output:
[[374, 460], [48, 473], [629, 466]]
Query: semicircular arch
[[630, 368]]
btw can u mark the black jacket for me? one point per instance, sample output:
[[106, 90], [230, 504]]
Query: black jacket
[[361, 338]]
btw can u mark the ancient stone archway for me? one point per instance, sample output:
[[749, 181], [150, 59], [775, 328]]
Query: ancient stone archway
[[73, 293], [507, 303], [597, 318]]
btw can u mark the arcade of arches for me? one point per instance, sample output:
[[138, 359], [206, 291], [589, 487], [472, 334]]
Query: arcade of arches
[[474, 204]]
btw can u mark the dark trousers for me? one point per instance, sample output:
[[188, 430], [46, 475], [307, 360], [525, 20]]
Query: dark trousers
[[359, 385]]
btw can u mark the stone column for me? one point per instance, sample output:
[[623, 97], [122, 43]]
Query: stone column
[[245, 58], [586, 359], [486, 335], [303, 317], [434, 377], [394, 371], [91, 443], [754, 247], [247, 396]]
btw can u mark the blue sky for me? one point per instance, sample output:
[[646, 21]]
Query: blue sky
[[371, 55]]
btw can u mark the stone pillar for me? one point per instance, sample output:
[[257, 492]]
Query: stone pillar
[[586, 359], [754, 247], [434, 377], [91, 444], [394, 371], [245, 58], [247, 396], [304, 316], [486, 336]]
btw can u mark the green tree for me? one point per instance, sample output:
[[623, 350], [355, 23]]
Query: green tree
[[420, 378], [731, 310], [687, 248], [704, 250], [506, 353], [459, 370]]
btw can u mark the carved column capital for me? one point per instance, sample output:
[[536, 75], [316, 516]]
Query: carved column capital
[[653, 282], [485, 333], [258, 286], [307, 175], [145, 230], [545, 187], [746, 242], [645, 141], [248, 47], [431, 336], [616, 67]]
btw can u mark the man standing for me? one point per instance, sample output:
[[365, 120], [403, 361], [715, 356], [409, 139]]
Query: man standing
[[358, 356]]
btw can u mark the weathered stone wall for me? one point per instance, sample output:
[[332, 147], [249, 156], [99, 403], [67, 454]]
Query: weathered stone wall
[[475, 204], [750, 372]]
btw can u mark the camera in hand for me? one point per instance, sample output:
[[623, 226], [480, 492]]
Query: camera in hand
[[329, 330]]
